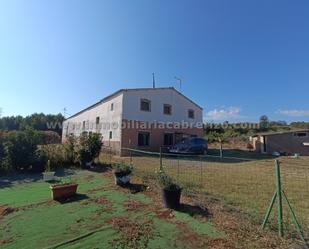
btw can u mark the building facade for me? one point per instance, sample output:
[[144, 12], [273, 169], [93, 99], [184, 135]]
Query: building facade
[[289, 143], [143, 118]]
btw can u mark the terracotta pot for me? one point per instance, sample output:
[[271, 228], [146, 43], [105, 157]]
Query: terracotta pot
[[60, 192]]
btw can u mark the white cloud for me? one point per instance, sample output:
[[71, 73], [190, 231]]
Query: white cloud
[[223, 114], [294, 113]]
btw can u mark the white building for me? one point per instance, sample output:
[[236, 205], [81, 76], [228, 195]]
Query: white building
[[144, 118]]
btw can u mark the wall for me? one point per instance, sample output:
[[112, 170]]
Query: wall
[[158, 97], [127, 107], [258, 144], [129, 135], [288, 143], [110, 121]]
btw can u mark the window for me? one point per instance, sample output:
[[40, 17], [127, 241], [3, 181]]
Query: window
[[300, 134], [168, 138], [84, 125], [97, 122], [167, 109], [191, 113], [145, 105], [143, 138], [112, 106], [110, 135]]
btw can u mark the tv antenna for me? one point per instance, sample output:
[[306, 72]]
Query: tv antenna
[[64, 111]]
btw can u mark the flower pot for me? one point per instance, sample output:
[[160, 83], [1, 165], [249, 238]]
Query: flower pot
[[171, 198], [86, 164], [60, 192], [48, 176], [121, 179]]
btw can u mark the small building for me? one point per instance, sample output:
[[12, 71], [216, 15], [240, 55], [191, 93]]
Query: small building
[[143, 118], [288, 142]]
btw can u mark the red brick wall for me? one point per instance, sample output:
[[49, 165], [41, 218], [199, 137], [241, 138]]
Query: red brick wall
[[129, 135]]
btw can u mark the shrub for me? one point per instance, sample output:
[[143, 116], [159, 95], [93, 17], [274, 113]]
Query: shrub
[[61, 154], [5, 162], [50, 137], [55, 153], [70, 149], [2, 153], [166, 182], [89, 147], [20, 149], [39, 163], [121, 169], [63, 181]]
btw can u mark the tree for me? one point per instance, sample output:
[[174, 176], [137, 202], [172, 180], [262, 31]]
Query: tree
[[264, 122], [37, 121]]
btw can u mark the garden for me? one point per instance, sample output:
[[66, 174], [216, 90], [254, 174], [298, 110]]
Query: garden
[[79, 201]]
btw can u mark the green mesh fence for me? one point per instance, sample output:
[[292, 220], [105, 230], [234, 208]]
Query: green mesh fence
[[244, 183]]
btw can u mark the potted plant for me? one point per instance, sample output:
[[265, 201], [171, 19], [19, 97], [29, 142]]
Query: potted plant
[[170, 191], [48, 175], [64, 189], [122, 173]]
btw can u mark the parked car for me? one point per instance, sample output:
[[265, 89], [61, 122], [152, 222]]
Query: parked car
[[190, 146]]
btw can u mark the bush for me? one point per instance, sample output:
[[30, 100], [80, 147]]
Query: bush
[[20, 149], [70, 149], [89, 147], [50, 137], [55, 153], [166, 182], [24, 150], [2, 152], [121, 169], [5, 163]]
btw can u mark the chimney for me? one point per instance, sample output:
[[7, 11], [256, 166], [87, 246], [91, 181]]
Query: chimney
[[153, 81]]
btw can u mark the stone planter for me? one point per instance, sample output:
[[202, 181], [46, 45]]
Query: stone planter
[[48, 176], [60, 192]]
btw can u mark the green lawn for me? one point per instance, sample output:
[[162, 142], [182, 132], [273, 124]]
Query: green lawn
[[103, 216]]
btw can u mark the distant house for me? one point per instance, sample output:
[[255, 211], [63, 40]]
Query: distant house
[[143, 118], [289, 142]]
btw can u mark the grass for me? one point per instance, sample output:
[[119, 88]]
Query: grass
[[102, 216], [247, 185]]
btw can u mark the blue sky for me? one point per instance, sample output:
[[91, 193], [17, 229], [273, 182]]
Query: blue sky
[[238, 59]]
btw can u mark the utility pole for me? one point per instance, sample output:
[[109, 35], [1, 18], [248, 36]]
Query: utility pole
[[180, 82]]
